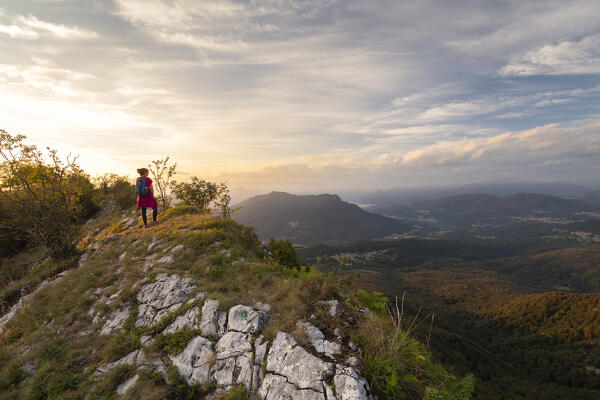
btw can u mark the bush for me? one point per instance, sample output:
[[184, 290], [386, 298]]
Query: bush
[[117, 189], [283, 253], [198, 193], [374, 301], [43, 196]]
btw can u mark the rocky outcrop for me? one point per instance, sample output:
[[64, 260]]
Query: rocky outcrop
[[317, 339], [161, 297], [230, 351], [187, 320], [115, 320]]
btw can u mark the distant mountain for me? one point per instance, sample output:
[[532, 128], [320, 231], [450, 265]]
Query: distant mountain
[[313, 218], [502, 189], [476, 205]]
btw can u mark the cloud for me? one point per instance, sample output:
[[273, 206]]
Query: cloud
[[567, 57], [30, 27], [574, 148], [533, 146]]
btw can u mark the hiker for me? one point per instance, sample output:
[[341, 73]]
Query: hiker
[[145, 200]]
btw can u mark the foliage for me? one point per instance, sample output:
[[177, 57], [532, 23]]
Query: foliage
[[162, 173], [200, 193], [374, 301], [456, 390], [283, 253], [117, 189], [222, 201], [397, 366], [45, 196]]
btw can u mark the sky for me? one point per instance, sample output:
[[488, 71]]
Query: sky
[[310, 95]]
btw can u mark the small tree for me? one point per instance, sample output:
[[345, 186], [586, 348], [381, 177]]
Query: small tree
[[223, 200], [162, 173], [283, 252], [198, 193], [44, 196]]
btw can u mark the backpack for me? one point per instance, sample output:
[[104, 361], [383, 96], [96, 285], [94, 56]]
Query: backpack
[[140, 187]]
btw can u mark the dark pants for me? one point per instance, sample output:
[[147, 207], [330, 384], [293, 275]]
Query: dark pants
[[146, 218]]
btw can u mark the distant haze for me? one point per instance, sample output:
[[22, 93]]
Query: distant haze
[[310, 96]]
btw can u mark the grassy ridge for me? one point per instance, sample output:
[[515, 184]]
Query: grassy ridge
[[55, 332]]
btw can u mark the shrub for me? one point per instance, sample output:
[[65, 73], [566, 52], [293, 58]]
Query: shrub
[[117, 189], [43, 195], [283, 253], [374, 301], [198, 193]]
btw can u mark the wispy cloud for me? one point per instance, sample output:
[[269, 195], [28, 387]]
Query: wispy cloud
[[30, 27], [567, 57]]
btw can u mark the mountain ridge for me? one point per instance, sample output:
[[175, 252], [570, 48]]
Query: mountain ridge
[[308, 219]]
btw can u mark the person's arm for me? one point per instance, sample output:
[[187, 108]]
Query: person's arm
[[151, 189]]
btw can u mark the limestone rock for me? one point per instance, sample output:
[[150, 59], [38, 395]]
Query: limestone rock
[[260, 350], [129, 222], [163, 296], [194, 362], [246, 319], [187, 320], [275, 387], [153, 363], [233, 365], [10, 315], [166, 260], [317, 340], [154, 245], [233, 344], [177, 248], [349, 385], [128, 384], [210, 318], [128, 359], [31, 367], [302, 369], [115, 321]]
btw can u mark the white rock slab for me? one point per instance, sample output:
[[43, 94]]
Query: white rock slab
[[246, 319]]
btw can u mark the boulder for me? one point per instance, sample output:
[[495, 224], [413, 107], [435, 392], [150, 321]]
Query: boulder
[[317, 339], [246, 319], [349, 385], [194, 362], [300, 368]]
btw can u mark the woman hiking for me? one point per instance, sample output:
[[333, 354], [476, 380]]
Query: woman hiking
[[145, 192]]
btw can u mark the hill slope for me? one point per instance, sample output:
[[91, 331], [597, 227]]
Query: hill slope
[[194, 308], [313, 218]]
